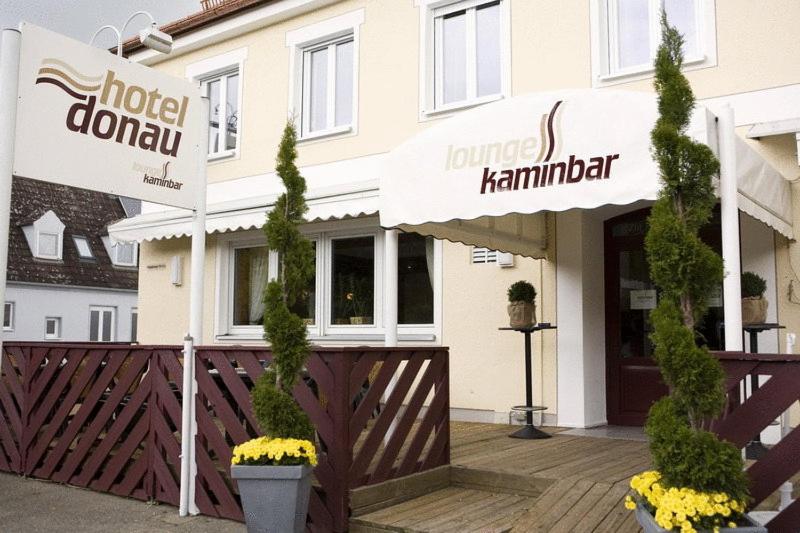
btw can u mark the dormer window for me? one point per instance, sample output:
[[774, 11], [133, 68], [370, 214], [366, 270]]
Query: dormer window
[[83, 247], [46, 237], [124, 254]]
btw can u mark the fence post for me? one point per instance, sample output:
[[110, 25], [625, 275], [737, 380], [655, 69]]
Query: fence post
[[340, 452]]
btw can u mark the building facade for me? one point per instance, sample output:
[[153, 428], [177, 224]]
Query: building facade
[[360, 78], [66, 280]]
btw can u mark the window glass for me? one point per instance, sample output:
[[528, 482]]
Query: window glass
[[231, 111], [126, 253], [48, 244], [488, 49], [454, 57], [8, 315], [682, 15], [344, 83], [306, 305], [633, 33], [134, 326], [107, 323], [318, 86], [52, 328], [415, 279], [84, 250], [250, 276], [94, 325], [214, 119], [353, 270]]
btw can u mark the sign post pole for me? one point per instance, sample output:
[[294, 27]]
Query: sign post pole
[[197, 283], [9, 87]]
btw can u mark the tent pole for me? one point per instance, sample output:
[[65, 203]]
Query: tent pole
[[731, 285], [390, 288]]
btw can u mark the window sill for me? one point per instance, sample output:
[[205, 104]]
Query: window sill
[[322, 134], [459, 106], [218, 156], [640, 73], [340, 338]]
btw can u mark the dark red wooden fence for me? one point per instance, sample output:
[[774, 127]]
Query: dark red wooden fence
[[746, 418], [107, 417]]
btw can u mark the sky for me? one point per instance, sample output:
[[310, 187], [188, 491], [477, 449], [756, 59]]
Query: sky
[[79, 19]]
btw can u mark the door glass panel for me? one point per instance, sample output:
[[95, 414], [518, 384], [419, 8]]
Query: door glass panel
[[637, 297]]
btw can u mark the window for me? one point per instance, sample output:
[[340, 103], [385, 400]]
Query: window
[[306, 305], [134, 325], [468, 58], [328, 87], [8, 317], [45, 237], [82, 245], [223, 127], [102, 324], [52, 328], [414, 279], [250, 275], [324, 82], [221, 77], [353, 281], [484, 255], [124, 254], [629, 33]]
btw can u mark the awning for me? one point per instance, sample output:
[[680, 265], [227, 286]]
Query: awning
[[487, 176], [328, 203]]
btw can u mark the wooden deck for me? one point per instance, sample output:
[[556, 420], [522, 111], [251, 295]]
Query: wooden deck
[[563, 484]]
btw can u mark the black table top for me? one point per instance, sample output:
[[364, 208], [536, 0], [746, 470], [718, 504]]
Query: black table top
[[536, 327], [762, 327]]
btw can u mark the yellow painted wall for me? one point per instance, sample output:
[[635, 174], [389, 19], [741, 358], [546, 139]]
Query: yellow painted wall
[[551, 49]]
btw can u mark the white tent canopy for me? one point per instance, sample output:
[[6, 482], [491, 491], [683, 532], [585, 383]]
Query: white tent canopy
[[487, 176]]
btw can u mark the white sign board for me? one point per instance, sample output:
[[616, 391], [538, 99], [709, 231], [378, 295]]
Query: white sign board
[[644, 299], [89, 119]]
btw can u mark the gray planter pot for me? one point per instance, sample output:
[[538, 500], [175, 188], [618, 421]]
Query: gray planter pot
[[274, 498], [648, 523]]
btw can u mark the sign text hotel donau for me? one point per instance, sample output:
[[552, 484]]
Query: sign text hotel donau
[[89, 119]]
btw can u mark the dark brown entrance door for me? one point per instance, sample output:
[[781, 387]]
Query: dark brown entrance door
[[633, 381]]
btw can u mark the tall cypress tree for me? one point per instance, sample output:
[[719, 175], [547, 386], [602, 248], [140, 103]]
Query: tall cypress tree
[[278, 414], [686, 270]]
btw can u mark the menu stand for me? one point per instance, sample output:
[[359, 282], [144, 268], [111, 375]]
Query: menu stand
[[529, 431]]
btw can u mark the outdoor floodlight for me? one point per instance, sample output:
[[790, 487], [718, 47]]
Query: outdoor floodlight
[[155, 39]]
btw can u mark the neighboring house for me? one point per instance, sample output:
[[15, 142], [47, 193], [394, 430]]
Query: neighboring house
[[361, 77], [66, 280]]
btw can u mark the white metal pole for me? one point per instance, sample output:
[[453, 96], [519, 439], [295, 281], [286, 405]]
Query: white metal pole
[[9, 88], [197, 283], [787, 488], [731, 285], [390, 287], [186, 428]]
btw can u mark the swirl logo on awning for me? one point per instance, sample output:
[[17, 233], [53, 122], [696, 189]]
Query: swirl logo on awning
[[108, 108], [504, 167]]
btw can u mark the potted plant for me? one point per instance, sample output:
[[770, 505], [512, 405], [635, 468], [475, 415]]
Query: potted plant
[[359, 299], [699, 482], [274, 471], [521, 304], [754, 305]]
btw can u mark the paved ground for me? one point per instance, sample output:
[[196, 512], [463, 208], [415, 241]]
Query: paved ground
[[32, 506]]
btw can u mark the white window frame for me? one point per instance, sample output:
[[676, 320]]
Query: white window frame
[[115, 248], [209, 69], [604, 45], [57, 334], [101, 309], [432, 10], [323, 331], [305, 114], [306, 39], [75, 239], [11, 316]]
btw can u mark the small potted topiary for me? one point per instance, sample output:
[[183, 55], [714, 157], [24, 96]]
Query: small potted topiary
[[754, 305], [521, 305]]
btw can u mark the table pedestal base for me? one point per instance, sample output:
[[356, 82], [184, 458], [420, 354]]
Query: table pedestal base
[[529, 432]]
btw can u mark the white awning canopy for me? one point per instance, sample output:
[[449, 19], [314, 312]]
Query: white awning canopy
[[487, 176]]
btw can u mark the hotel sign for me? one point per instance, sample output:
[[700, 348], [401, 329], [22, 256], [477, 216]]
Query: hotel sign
[[89, 119]]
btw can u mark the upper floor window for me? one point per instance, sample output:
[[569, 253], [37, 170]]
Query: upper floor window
[[467, 53], [83, 247], [629, 34], [323, 60], [45, 237], [220, 77], [124, 254], [328, 87], [223, 120]]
